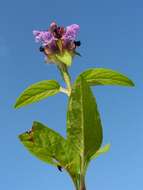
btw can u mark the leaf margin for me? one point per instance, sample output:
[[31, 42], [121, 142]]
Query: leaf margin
[[19, 103], [93, 77]]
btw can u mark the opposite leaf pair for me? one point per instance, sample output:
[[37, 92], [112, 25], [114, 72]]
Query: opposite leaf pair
[[46, 88], [84, 135], [84, 129]]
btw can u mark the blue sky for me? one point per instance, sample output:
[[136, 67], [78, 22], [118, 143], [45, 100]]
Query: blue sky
[[112, 37]]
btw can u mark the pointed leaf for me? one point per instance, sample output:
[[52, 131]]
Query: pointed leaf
[[101, 76], [37, 92], [65, 58], [51, 147], [84, 128]]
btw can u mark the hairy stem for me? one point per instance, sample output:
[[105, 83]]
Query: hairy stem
[[66, 77]]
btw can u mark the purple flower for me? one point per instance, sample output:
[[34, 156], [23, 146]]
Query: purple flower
[[57, 39], [71, 32], [45, 37]]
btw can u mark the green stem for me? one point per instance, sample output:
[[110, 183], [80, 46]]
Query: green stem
[[67, 80], [79, 183], [82, 175], [82, 183], [66, 77]]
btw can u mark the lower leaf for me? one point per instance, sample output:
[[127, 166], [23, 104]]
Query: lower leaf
[[50, 147]]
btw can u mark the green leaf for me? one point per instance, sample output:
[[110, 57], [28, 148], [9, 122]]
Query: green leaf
[[37, 92], [37, 150], [84, 128], [65, 57], [97, 153], [50, 147], [101, 76], [102, 150]]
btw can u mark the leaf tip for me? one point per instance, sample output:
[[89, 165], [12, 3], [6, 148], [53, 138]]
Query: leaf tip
[[35, 124], [132, 84], [22, 137], [15, 106]]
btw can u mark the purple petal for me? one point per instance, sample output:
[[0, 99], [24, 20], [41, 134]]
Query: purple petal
[[37, 35], [43, 37], [73, 27], [71, 32]]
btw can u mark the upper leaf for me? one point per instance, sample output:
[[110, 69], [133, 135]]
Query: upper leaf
[[37, 92], [84, 128], [65, 57], [51, 147], [101, 76]]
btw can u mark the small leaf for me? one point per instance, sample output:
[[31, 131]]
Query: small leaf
[[101, 76], [65, 58], [84, 128], [37, 92], [102, 150]]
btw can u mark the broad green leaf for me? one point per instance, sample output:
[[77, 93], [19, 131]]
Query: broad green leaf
[[37, 92], [84, 128], [101, 76], [51, 147], [65, 57], [38, 151], [102, 150]]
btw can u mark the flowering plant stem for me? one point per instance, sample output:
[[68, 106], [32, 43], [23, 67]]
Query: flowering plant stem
[[82, 175], [66, 77], [82, 182]]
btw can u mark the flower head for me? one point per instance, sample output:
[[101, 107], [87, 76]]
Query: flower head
[[57, 40]]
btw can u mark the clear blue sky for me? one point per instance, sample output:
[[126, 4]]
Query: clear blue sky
[[112, 37]]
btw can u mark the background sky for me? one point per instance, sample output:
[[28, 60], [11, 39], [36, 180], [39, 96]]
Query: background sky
[[111, 33]]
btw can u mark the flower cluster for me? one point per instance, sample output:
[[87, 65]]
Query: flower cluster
[[57, 40]]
